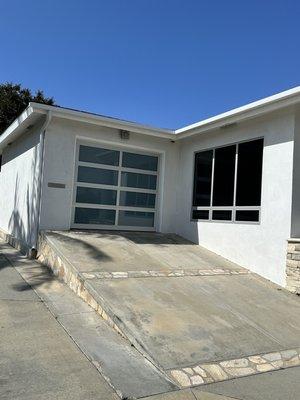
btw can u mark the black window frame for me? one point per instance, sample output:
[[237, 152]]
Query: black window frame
[[234, 208]]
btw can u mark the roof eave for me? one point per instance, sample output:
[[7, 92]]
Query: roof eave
[[9, 135], [103, 121], [252, 110]]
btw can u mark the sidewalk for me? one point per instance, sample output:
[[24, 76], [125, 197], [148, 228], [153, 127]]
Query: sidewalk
[[38, 360]]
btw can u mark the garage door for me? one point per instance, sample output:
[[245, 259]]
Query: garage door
[[115, 189]]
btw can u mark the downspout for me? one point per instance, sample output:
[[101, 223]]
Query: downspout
[[41, 162]]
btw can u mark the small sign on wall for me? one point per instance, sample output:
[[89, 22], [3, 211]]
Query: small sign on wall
[[56, 185]]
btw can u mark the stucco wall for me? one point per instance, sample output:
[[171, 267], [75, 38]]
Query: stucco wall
[[295, 223], [18, 187], [259, 247], [59, 168]]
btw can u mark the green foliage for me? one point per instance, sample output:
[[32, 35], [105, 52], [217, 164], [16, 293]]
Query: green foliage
[[13, 101]]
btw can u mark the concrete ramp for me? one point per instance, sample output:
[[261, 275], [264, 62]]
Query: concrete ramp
[[196, 316]]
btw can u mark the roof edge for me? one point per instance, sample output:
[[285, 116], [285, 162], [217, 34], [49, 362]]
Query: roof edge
[[251, 110], [256, 108], [8, 135], [83, 116]]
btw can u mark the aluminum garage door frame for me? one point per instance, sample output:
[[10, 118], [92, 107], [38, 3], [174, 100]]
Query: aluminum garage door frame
[[123, 207]]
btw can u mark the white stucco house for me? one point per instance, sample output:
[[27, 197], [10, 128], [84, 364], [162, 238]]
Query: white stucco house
[[230, 183]]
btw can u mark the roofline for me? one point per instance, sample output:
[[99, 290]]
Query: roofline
[[9, 134], [251, 110], [97, 119]]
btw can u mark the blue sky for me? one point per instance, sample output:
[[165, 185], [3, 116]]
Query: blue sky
[[167, 63]]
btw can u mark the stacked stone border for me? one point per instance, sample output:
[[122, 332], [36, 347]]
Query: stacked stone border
[[161, 273], [215, 372], [293, 266]]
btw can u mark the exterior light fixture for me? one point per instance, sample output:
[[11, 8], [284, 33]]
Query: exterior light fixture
[[125, 135]]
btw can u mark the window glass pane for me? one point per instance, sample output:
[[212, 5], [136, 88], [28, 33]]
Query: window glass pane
[[223, 215], [224, 176], [202, 178], [136, 218], [99, 155], [139, 161], [133, 199], [200, 214], [142, 181], [247, 215], [97, 175], [96, 196], [94, 216], [248, 190]]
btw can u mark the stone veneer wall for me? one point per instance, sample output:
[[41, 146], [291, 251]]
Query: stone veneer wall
[[293, 266]]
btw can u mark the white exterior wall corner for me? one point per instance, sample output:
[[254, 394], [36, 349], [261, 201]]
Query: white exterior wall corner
[[59, 167], [259, 247], [295, 221], [19, 186]]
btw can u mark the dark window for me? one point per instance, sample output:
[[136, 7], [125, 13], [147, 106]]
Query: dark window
[[202, 178], [200, 214], [247, 215], [249, 172], [224, 215], [224, 176], [0, 162], [215, 172]]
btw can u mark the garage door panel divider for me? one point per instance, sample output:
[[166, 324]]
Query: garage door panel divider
[[114, 187], [116, 168]]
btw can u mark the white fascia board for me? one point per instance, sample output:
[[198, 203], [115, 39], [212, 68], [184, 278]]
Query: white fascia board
[[251, 110], [86, 117], [9, 134], [257, 108]]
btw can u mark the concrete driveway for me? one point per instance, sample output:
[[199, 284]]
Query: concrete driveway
[[196, 316]]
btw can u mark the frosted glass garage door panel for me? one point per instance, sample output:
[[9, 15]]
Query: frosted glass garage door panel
[[136, 218], [140, 161], [96, 196], [133, 199], [97, 175], [141, 181], [94, 216], [99, 155]]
